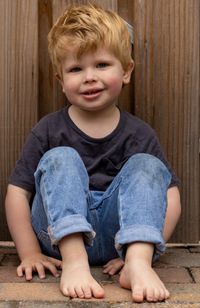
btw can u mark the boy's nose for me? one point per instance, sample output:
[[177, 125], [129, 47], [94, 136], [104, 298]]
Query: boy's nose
[[90, 75]]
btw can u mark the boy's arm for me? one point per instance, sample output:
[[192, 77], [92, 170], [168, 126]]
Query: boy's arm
[[19, 222], [173, 212]]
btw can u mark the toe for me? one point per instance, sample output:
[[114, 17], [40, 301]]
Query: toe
[[138, 295], [167, 294], [151, 295], [162, 295], [98, 291], [72, 293], [80, 292], [65, 292], [87, 292]]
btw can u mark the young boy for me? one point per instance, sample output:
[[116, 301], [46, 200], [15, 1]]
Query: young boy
[[97, 181]]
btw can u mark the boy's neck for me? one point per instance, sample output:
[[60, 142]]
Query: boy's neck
[[93, 115], [96, 124]]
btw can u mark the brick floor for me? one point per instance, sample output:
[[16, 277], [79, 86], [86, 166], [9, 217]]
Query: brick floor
[[196, 274], [195, 249], [179, 269]]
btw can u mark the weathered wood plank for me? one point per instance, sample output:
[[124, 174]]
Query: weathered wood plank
[[18, 85], [167, 91]]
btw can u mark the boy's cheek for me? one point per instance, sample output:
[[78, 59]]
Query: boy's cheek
[[115, 84], [69, 89]]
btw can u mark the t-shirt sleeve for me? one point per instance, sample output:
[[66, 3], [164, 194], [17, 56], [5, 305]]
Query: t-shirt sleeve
[[155, 149], [23, 174]]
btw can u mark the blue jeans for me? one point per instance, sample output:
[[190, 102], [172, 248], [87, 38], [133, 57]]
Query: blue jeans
[[132, 208]]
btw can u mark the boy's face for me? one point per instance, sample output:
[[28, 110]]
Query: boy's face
[[94, 81]]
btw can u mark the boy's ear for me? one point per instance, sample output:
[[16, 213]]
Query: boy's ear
[[59, 78], [128, 72]]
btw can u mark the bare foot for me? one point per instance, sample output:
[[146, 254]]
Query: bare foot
[[113, 266], [77, 281], [138, 275]]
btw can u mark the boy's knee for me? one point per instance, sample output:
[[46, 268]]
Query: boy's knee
[[60, 153], [147, 164], [60, 156]]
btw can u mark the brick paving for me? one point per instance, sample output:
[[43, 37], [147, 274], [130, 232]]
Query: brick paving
[[179, 269]]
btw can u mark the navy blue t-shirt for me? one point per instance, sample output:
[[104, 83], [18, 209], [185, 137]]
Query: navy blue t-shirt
[[103, 158]]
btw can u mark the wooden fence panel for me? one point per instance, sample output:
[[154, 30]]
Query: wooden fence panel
[[18, 85], [164, 90]]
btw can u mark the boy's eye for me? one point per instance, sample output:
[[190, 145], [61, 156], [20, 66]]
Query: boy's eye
[[102, 65], [75, 69]]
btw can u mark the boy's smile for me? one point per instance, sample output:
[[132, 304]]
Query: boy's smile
[[93, 81], [91, 93]]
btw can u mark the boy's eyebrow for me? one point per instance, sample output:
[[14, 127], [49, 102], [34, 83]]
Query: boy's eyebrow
[[130, 30]]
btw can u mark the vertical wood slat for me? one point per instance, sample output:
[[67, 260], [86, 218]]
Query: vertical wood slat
[[167, 92], [51, 97], [126, 101], [18, 85]]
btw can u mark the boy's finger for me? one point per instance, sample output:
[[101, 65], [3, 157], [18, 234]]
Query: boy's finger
[[106, 269], [28, 273], [40, 270], [107, 264], [56, 262], [52, 268], [113, 271], [20, 272], [110, 270]]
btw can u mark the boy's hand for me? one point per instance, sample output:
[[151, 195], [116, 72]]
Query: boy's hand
[[113, 266], [38, 263]]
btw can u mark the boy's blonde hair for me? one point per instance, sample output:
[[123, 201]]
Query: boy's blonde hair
[[84, 28]]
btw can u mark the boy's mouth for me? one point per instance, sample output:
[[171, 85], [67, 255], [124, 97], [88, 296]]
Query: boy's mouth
[[92, 92]]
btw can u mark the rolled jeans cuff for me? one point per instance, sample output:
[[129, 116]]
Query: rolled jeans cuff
[[147, 234], [69, 225]]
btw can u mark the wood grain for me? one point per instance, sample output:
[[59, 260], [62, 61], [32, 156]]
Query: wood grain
[[18, 85], [165, 88], [167, 92]]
